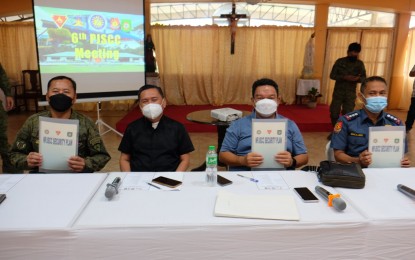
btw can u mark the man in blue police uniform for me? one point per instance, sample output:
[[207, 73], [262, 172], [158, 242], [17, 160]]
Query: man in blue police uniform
[[236, 147], [351, 133]]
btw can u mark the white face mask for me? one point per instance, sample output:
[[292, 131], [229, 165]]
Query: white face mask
[[266, 107], [152, 110]]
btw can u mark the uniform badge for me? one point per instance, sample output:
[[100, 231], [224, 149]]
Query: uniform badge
[[20, 145], [338, 127]]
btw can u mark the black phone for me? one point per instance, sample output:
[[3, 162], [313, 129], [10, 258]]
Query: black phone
[[2, 197], [167, 182], [222, 181], [305, 194]]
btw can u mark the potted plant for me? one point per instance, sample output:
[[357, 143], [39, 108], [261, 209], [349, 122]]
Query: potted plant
[[313, 95]]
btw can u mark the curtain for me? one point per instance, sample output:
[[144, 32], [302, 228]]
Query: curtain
[[17, 48], [376, 54], [196, 66]]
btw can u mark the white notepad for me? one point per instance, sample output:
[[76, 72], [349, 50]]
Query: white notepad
[[270, 206]]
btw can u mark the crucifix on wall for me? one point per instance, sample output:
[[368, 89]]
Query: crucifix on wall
[[233, 19]]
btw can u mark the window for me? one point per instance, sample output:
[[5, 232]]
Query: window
[[346, 17]]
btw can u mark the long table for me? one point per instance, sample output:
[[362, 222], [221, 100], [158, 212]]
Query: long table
[[67, 216]]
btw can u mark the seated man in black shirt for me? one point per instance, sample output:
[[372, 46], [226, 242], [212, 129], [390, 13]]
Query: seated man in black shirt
[[154, 142]]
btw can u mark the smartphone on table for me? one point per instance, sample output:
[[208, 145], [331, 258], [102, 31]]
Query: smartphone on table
[[171, 183], [305, 194], [222, 181]]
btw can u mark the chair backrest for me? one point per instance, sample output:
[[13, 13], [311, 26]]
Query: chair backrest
[[329, 152], [31, 80]]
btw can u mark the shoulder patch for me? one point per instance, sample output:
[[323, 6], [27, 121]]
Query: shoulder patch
[[351, 116], [393, 118], [338, 127]]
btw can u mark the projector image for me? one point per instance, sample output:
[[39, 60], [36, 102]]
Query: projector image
[[226, 114]]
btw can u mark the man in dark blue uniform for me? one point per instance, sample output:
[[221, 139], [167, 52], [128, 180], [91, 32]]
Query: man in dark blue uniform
[[351, 133]]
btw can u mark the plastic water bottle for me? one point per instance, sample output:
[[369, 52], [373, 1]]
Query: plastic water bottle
[[211, 166]]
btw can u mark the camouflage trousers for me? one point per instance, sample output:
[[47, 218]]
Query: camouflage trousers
[[343, 101], [4, 144]]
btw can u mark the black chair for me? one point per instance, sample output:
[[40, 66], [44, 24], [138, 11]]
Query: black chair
[[28, 90]]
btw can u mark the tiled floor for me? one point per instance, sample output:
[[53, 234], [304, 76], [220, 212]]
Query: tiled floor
[[315, 141]]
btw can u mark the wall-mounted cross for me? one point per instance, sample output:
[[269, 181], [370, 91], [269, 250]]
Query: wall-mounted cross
[[233, 18]]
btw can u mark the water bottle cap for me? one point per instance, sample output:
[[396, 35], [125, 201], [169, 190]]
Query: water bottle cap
[[211, 147]]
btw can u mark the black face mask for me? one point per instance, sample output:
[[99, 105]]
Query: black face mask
[[352, 58], [60, 102]]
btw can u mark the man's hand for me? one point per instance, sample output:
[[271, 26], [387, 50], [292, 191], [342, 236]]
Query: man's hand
[[365, 158], [76, 163], [405, 162], [34, 159], [284, 158], [351, 78], [252, 160], [9, 103]]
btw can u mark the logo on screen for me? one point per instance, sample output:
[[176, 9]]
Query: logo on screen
[[97, 22], [115, 24], [126, 25], [59, 20]]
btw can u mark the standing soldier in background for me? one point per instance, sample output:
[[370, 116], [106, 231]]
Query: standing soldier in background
[[347, 72], [5, 105]]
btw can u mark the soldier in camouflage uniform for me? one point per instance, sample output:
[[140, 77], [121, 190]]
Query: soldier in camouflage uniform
[[92, 155], [347, 72], [4, 144]]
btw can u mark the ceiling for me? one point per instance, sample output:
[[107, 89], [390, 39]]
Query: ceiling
[[16, 7]]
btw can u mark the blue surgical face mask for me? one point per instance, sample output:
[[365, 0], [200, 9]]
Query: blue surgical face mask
[[376, 104]]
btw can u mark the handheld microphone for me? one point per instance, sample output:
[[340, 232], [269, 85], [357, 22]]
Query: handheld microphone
[[112, 188], [334, 199], [407, 191]]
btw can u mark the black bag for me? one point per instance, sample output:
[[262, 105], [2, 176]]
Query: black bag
[[336, 174]]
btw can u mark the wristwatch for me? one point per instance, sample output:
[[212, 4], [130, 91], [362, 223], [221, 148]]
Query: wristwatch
[[294, 163]]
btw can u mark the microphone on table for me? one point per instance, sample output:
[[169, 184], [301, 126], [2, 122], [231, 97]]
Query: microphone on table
[[112, 188], [407, 191], [334, 199]]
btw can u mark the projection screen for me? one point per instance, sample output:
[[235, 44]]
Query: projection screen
[[98, 43]]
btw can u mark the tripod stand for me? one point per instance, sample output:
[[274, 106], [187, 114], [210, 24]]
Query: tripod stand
[[101, 124]]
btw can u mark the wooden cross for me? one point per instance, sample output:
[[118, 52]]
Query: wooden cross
[[233, 18]]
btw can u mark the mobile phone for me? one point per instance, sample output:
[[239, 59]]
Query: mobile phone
[[222, 181], [305, 194], [2, 197], [167, 182]]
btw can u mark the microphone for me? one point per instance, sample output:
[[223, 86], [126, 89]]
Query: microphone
[[334, 199], [112, 188], [407, 191]]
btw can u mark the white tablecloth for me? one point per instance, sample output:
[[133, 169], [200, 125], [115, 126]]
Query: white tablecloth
[[154, 224], [304, 85]]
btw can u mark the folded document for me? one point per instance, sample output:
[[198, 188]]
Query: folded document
[[270, 206]]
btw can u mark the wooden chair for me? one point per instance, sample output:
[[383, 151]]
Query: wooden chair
[[28, 90]]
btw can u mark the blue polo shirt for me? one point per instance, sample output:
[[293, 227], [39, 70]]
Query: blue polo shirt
[[238, 139], [351, 132]]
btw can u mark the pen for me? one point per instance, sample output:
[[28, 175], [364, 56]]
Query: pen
[[152, 185], [251, 179]]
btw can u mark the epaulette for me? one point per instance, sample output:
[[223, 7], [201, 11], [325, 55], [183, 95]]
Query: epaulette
[[351, 116], [392, 118]]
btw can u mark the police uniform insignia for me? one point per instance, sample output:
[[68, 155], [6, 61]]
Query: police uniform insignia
[[338, 127], [393, 119], [351, 116]]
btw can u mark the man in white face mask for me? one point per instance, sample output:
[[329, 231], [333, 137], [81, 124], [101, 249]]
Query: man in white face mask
[[236, 149], [350, 138], [154, 142]]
